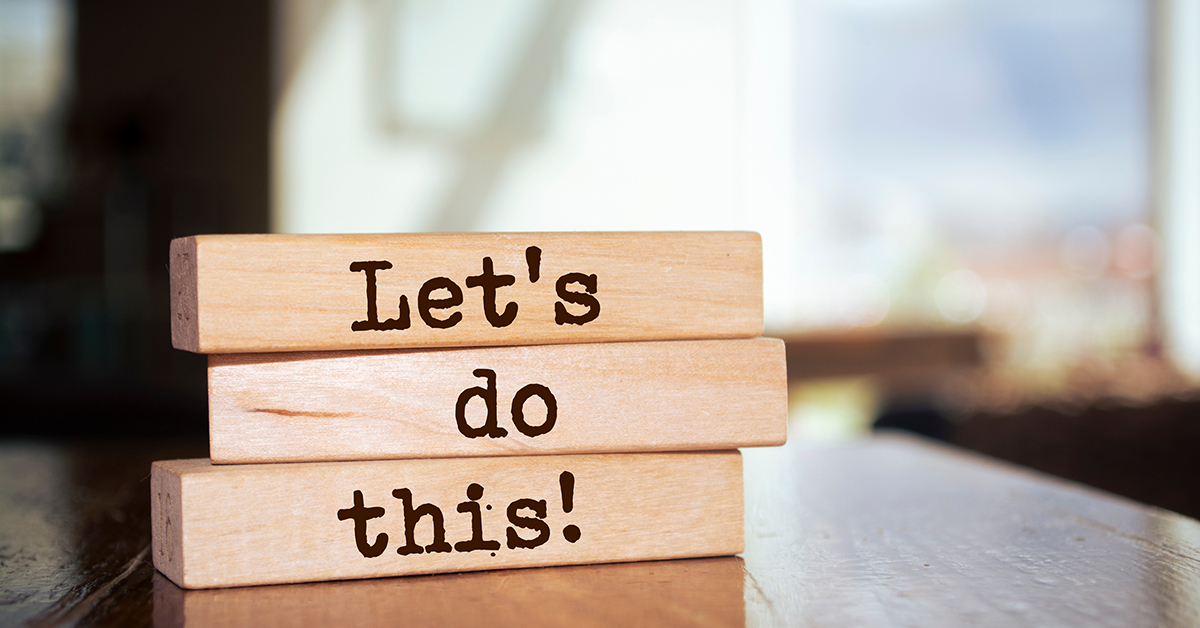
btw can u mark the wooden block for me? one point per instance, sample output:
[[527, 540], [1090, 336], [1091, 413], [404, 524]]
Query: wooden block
[[254, 293], [606, 397], [693, 592], [232, 525]]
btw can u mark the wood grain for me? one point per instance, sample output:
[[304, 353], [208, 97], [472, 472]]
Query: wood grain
[[255, 293], [608, 397], [232, 525]]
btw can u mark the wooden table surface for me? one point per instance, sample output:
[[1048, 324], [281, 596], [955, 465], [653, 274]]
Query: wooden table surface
[[884, 531]]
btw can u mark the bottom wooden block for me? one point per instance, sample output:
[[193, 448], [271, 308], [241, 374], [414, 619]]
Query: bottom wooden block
[[232, 525]]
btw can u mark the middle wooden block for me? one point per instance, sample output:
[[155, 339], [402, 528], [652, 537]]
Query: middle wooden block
[[548, 399]]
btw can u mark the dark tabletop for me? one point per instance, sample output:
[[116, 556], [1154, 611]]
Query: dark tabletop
[[888, 530]]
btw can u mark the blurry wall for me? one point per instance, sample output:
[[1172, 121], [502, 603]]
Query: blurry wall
[[927, 164], [911, 164], [1177, 96], [536, 115]]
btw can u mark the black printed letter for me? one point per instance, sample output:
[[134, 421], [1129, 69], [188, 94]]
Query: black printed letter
[[529, 523], [518, 409], [360, 515], [476, 542], [489, 427], [372, 323], [490, 281], [561, 315], [425, 304]]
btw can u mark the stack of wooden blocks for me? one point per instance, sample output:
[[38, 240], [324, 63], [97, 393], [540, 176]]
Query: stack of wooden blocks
[[404, 404]]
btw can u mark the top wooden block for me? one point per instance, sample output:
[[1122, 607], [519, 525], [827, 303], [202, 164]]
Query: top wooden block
[[257, 293]]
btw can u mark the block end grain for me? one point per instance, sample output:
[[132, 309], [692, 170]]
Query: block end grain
[[185, 323], [779, 382], [166, 522]]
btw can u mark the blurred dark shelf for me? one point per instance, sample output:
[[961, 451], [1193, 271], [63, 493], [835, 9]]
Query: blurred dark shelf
[[67, 409], [1145, 452], [887, 354]]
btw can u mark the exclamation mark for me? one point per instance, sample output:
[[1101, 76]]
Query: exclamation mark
[[533, 259], [566, 482]]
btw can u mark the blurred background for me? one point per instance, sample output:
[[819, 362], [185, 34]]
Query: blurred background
[[980, 218]]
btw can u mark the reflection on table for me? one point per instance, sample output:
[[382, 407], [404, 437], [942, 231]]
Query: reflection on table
[[704, 591], [887, 530]]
